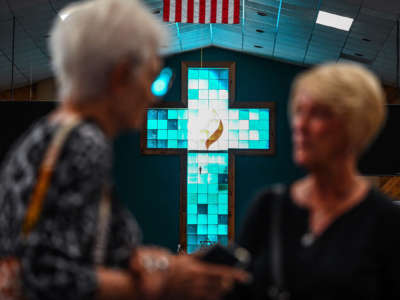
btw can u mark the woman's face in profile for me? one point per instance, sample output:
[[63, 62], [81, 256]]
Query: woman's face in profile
[[318, 133]]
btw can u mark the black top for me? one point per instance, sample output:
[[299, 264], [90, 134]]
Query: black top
[[356, 257], [57, 258]]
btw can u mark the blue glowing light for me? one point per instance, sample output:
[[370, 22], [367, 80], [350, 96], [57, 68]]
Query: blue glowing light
[[160, 86]]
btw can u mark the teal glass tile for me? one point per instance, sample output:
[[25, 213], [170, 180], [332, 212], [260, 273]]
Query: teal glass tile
[[182, 144], [192, 239], [162, 144], [212, 219], [192, 178], [162, 134], [254, 114], [172, 114], [224, 74], [191, 248], [192, 219], [202, 219], [203, 74], [212, 208], [223, 169], [172, 124], [152, 124], [191, 229], [243, 114], [182, 134], [222, 219], [204, 178], [182, 114], [152, 134], [162, 124], [213, 85], [192, 198], [182, 124], [151, 144], [213, 238], [222, 188], [202, 229], [223, 240], [213, 168], [223, 178], [202, 209], [172, 134], [254, 145], [162, 114], [253, 125], [192, 188], [202, 198], [212, 198], [192, 209], [152, 114], [213, 188], [192, 157], [222, 198], [223, 209], [193, 73], [223, 84], [212, 229], [222, 229], [192, 167], [172, 144], [263, 134], [193, 94], [202, 188], [202, 238]]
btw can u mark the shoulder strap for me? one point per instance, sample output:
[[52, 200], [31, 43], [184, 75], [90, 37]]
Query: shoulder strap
[[44, 174]]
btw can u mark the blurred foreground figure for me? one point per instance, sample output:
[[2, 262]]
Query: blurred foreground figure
[[336, 234], [72, 238]]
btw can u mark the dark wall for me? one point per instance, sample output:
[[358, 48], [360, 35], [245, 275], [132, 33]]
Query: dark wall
[[150, 185]]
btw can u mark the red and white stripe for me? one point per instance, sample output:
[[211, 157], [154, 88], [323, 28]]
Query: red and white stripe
[[202, 11]]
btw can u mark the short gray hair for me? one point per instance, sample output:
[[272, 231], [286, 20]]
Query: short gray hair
[[95, 36]]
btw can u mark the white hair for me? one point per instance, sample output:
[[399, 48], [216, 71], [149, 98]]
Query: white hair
[[94, 37]]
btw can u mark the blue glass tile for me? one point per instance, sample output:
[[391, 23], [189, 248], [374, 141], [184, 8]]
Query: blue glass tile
[[162, 114], [222, 219], [213, 74], [193, 74], [192, 239], [213, 238], [222, 229], [152, 124], [202, 238], [213, 219], [223, 240], [202, 219], [203, 74], [222, 178], [172, 124], [152, 134], [191, 248], [192, 209], [182, 114], [151, 144], [162, 134], [202, 188], [212, 208], [172, 114], [243, 114], [182, 144], [192, 229], [172, 144], [162, 124], [223, 170], [162, 144], [212, 229], [222, 187], [202, 209], [191, 219], [223, 84], [224, 74], [193, 94], [152, 114]]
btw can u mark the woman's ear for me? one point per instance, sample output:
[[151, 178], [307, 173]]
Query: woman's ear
[[120, 75]]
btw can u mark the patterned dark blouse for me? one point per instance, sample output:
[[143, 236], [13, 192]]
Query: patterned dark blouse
[[57, 257]]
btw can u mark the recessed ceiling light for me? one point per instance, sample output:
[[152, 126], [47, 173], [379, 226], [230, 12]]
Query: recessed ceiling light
[[333, 20], [258, 46], [366, 40], [260, 30], [261, 13]]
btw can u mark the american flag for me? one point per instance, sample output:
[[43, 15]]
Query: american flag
[[202, 11]]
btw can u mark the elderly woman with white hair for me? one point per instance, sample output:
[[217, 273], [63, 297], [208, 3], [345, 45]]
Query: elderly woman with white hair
[[329, 235], [56, 217]]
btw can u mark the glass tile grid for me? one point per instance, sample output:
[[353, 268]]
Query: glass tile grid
[[167, 128], [207, 200]]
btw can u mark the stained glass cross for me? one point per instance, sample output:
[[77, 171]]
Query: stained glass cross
[[209, 132]]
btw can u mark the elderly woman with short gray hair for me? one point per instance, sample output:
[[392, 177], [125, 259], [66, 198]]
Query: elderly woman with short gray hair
[[58, 216], [336, 233]]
